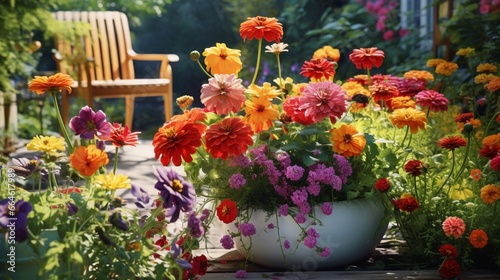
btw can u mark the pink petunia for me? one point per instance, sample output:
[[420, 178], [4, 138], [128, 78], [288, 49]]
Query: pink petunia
[[453, 226], [224, 93]]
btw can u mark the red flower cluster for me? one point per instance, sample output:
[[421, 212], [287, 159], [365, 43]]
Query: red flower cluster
[[382, 185], [450, 269], [448, 251], [406, 202], [452, 142], [415, 167]]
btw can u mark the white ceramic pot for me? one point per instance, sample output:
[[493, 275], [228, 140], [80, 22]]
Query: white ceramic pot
[[352, 232]]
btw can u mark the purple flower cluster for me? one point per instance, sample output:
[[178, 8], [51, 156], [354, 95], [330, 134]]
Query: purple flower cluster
[[344, 167], [294, 172], [326, 252], [237, 181], [195, 225], [286, 244], [247, 229], [227, 242], [283, 211], [240, 274], [311, 238], [327, 208]]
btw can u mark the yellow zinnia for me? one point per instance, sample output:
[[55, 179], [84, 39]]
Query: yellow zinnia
[[260, 113], [327, 52], [486, 67], [347, 141], [483, 78], [222, 60], [459, 193], [410, 117], [419, 74], [446, 68], [465, 52], [433, 62], [353, 88], [46, 144], [266, 91], [112, 182]]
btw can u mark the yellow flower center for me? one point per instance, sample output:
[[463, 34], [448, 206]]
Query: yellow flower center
[[177, 185]]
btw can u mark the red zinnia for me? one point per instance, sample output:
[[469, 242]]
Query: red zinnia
[[176, 141], [231, 136], [382, 185], [122, 136], [291, 108], [450, 269], [452, 142], [227, 211], [318, 69], [415, 167], [464, 118], [448, 250], [432, 99], [261, 27], [366, 58], [383, 90], [478, 238], [200, 265], [407, 203], [495, 163]]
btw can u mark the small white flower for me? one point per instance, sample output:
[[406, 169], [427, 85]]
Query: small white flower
[[277, 48]]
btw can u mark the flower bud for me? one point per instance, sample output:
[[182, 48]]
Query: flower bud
[[184, 101], [468, 128], [194, 55]]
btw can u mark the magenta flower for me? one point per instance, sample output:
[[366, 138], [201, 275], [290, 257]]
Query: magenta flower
[[177, 193], [223, 94], [195, 226], [283, 211], [247, 229], [240, 274], [323, 99], [237, 181], [326, 252], [327, 208], [294, 172], [89, 124], [286, 244], [227, 242], [17, 218], [432, 99]]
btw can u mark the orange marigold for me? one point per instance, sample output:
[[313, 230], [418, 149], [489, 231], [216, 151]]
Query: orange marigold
[[419, 74], [231, 136], [87, 160], [483, 78], [327, 52], [347, 141], [478, 238], [400, 102], [410, 117], [476, 174], [446, 68], [490, 193], [465, 51], [486, 67], [493, 85], [261, 27], [59, 81], [176, 141], [366, 58], [433, 62]]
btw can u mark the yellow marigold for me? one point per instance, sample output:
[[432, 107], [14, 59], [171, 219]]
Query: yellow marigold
[[419, 74], [493, 85], [59, 81], [87, 160], [347, 141], [433, 62], [261, 113], [222, 60], [112, 182], [446, 68], [476, 174], [46, 144], [410, 117], [399, 102], [465, 51], [483, 78], [460, 193], [486, 67], [327, 52], [353, 88], [490, 193], [266, 91]]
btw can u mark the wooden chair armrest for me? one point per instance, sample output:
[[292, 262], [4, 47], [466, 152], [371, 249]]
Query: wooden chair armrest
[[164, 58]]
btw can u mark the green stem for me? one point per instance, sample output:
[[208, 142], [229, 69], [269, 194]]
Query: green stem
[[466, 156], [369, 78], [279, 71], [61, 123], [203, 69], [415, 186], [115, 165], [450, 174], [259, 51]]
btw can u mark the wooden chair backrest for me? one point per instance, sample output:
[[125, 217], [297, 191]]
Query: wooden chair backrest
[[106, 41]]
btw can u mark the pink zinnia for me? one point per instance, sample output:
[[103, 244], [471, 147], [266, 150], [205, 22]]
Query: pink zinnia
[[224, 93], [323, 99], [432, 99], [453, 226]]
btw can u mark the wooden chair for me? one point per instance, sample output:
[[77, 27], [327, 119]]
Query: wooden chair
[[102, 61]]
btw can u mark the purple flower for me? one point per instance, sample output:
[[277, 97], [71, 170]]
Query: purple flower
[[195, 226], [311, 232], [283, 211], [237, 181], [26, 168], [327, 208], [240, 274], [299, 197], [204, 214], [240, 161], [270, 226], [247, 229], [286, 244], [116, 220], [326, 252], [294, 172], [141, 195], [344, 167], [300, 218], [227, 242], [14, 216], [314, 189], [72, 209], [177, 193], [310, 241], [89, 124]]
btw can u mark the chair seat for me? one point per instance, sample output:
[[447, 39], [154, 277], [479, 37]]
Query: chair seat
[[121, 88]]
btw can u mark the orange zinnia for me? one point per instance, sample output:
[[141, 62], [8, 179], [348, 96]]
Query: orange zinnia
[[59, 81], [347, 141], [446, 68], [231, 136], [327, 52], [490, 194], [419, 74], [478, 238], [261, 27], [410, 117], [196, 115], [476, 174], [176, 141], [87, 160], [260, 113], [493, 85], [222, 60], [366, 58]]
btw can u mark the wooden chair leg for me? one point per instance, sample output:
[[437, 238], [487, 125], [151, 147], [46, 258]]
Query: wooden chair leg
[[129, 111], [167, 104], [65, 107]]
